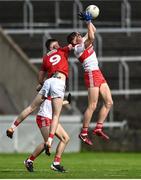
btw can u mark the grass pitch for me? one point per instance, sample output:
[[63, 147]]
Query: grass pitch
[[79, 165]]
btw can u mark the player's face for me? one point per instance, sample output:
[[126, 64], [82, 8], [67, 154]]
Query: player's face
[[77, 39], [54, 45]]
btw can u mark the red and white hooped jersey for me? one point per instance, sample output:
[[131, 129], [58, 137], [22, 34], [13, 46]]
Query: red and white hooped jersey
[[87, 57], [46, 109], [56, 61]]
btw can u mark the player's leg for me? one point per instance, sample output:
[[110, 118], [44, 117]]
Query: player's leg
[[56, 110], [108, 102], [36, 102], [27, 111], [93, 94], [64, 139], [39, 149], [29, 161]]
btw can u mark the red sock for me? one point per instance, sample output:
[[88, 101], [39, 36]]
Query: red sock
[[51, 135], [32, 158], [16, 123], [84, 131], [99, 126], [57, 160]]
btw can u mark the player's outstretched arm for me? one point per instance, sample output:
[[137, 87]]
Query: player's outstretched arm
[[87, 17], [91, 35]]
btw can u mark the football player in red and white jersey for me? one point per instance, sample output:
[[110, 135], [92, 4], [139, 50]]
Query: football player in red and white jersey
[[55, 64], [94, 79], [44, 120]]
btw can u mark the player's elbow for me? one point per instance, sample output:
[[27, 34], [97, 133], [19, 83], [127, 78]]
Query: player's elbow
[[91, 39], [94, 29]]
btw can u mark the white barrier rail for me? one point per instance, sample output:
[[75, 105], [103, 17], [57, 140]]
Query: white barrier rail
[[27, 136]]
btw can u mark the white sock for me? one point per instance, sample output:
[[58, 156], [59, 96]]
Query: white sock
[[56, 163], [50, 141], [13, 127]]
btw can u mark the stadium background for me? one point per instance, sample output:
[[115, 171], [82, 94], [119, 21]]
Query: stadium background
[[26, 24]]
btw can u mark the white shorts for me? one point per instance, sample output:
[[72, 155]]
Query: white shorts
[[53, 87]]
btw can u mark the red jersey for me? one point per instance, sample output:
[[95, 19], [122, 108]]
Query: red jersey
[[56, 61]]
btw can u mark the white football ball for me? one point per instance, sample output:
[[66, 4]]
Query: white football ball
[[93, 10]]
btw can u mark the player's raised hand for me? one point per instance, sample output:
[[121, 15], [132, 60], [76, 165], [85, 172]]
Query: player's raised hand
[[85, 16]]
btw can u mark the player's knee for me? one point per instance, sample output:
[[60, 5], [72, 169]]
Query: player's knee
[[109, 104], [92, 106], [65, 139]]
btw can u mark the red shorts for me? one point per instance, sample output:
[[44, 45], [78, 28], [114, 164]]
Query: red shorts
[[43, 121], [94, 78]]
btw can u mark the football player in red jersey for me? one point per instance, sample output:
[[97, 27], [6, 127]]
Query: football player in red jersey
[[94, 79], [55, 64]]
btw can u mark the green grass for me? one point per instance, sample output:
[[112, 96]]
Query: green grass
[[80, 165]]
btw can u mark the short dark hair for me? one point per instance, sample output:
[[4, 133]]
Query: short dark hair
[[71, 36], [48, 42]]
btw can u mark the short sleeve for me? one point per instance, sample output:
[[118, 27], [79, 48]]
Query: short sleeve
[[66, 49]]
